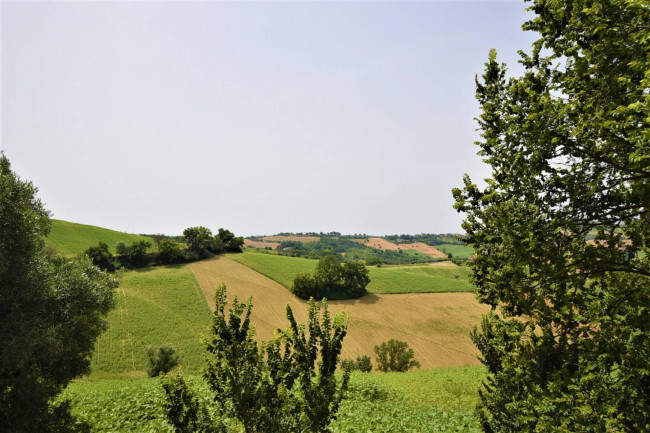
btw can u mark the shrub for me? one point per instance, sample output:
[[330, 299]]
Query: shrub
[[101, 257], [362, 364], [120, 248], [395, 355], [162, 360]]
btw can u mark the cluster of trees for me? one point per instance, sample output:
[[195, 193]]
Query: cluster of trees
[[332, 280], [332, 246], [51, 312], [199, 244], [426, 238], [286, 385], [569, 146]]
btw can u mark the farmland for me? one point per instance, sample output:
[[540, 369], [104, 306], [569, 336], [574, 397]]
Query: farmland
[[435, 325], [71, 239], [172, 305], [154, 306], [458, 251], [398, 279]]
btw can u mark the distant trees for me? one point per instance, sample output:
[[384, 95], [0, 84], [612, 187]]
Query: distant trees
[[51, 312], [169, 251], [202, 243], [332, 280], [395, 355], [287, 385], [136, 254], [101, 257], [199, 241]]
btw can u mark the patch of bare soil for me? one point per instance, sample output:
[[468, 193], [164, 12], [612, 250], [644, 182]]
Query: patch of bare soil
[[302, 239], [259, 244], [435, 325], [424, 248]]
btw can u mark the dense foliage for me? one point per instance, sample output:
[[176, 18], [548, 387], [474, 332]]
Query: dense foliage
[[332, 280], [395, 355], [344, 247], [51, 312], [569, 146], [286, 385], [162, 360], [361, 363]]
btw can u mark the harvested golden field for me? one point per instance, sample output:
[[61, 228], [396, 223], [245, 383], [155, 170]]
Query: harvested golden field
[[260, 244], [435, 325], [424, 248], [302, 239], [383, 244]]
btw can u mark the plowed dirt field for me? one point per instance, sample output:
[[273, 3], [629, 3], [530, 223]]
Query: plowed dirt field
[[386, 245], [435, 325]]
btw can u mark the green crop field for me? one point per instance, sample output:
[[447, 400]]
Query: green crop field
[[389, 279], [154, 306], [439, 400], [419, 279], [460, 251], [282, 269], [71, 239]]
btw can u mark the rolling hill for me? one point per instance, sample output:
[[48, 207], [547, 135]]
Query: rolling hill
[[70, 239]]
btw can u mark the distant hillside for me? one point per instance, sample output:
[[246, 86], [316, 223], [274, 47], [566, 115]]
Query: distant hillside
[[71, 239]]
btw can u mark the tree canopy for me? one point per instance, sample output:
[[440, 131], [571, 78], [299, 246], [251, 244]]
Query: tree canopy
[[561, 230], [51, 312], [332, 280]]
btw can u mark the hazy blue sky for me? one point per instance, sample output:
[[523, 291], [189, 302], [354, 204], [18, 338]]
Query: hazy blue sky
[[259, 117]]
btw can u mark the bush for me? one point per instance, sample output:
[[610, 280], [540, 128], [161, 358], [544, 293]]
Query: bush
[[162, 360], [395, 355], [101, 257], [362, 364], [120, 248]]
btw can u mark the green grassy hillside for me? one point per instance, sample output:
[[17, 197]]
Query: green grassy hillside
[[71, 239], [439, 400], [395, 279], [459, 251], [154, 306]]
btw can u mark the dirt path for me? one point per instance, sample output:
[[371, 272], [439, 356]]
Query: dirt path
[[435, 325]]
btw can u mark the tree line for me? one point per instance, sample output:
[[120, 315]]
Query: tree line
[[197, 243]]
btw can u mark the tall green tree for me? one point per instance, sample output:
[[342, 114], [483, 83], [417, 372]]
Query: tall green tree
[[51, 312], [569, 146], [287, 385]]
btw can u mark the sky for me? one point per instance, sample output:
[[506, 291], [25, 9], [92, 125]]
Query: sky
[[260, 117]]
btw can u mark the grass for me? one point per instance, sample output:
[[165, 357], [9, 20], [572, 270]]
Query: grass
[[389, 279], [460, 251], [71, 239], [154, 306], [282, 269], [438, 400], [419, 279]]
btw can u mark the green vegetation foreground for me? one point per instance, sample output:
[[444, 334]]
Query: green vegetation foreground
[[427, 401]]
